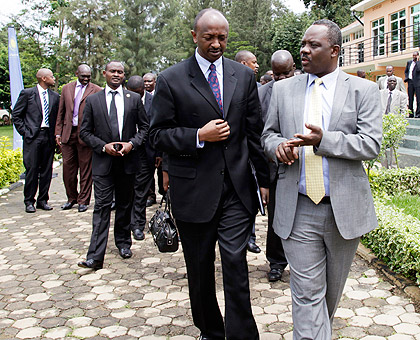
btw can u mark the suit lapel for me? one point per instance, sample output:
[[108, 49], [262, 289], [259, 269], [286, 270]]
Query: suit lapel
[[299, 102], [88, 90], [127, 106], [229, 85], [199, 82], [340, 95], [104, 109], [37, 99]]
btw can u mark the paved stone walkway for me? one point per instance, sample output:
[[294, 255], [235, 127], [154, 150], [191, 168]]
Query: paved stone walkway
[[45, 295]]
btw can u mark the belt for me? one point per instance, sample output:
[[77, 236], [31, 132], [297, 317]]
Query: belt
[[325, 199]]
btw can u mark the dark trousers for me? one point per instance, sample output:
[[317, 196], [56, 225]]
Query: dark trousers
[[38, 157], [152, 192], [77, 156], [274, 248], [105, 185], [230, 227], [142, 184], [413, 90]]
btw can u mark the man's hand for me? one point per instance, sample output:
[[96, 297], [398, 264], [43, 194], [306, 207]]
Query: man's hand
[[125, 149], [165, 178], [312, 138], [287, 154], [158, 162], [214, 131], [264, 195], [58, 140]]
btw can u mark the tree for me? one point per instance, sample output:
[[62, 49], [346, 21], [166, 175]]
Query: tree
[[337, 11], [288, 33]]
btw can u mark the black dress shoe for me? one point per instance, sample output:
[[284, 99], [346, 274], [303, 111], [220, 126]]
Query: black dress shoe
[[82, 208], [138, 234], [253, 248], [30, 208], [91, 263], [125, 253], [43, 205], [274, 274], [67, 205], [150, 202]]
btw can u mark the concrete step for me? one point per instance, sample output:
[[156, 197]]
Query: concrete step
[[411, 142], [414, 121], [413, 130], [408, 157]]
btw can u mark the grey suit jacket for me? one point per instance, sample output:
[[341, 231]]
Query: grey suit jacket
[[354, 134], [383, 84], [398, 102]]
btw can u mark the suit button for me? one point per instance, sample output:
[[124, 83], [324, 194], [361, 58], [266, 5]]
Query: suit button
[[225, 147], [222, 172]]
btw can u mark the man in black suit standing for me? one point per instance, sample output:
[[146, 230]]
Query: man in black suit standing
[[412, 77], [144, 176], [34, 116], [115, 126], [205, 116], [283, 67]]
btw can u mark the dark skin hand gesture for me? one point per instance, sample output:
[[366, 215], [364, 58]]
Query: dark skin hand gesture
[[287, 152], [214, 131], [126, 148]]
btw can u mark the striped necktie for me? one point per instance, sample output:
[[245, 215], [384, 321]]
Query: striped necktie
[[313, 164], [46, 108]]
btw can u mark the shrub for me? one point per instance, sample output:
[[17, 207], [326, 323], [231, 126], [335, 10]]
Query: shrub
[[394, 181], [397, 240], [11, 163]]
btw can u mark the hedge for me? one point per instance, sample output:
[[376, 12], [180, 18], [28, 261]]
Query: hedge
[[397, 239], [11, 164]]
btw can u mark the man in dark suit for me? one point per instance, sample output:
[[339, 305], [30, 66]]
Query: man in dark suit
[[205, 116], [144, 176], [115, 127], [76, 154], [412, 77], [34, 116], [283, 67]]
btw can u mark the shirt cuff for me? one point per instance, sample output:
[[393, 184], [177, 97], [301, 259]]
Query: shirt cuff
[[198, 144]]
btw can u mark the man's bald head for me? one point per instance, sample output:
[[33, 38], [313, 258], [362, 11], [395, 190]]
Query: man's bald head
[[45, 78], [212, 13], [136, 84], [83, 74], [282, 65], [247, 58]]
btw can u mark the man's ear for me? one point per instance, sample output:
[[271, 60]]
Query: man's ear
[[104, 73], [335, 51], [194, 36]]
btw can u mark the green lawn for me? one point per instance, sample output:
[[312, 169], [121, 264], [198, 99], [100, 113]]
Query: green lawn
[[7, 131], [409, 203]]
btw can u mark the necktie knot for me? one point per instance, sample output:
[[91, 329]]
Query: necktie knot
[[318, 81], [212, 67], [113, 93]]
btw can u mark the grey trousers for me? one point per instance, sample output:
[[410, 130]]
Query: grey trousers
[[320, 261]]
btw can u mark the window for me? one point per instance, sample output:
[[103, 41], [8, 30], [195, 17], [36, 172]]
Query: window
[[361, 52], [415, 21], [398, 30], [378, 34], [359, 34], [346, 38]]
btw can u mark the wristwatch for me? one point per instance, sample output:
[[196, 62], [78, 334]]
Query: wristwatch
[[103, 149]]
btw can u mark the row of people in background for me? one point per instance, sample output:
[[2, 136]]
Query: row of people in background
[[205, 115]]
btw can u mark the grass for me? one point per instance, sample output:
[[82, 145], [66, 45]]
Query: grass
[[7, 131], [409, 203]]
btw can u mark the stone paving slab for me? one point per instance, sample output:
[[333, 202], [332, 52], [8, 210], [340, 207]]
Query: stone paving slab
[[45, 295]]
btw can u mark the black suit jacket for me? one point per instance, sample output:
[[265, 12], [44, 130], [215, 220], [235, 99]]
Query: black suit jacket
[[416, 73], [184, 102], [27, 113], [95, 131]]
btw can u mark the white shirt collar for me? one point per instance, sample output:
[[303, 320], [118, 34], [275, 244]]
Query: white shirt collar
[[40, 89], [78, 83], [119, 90], [328, 80], [205, 64]]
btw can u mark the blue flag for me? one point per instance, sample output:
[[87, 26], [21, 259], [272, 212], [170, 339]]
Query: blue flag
[[16, 80]]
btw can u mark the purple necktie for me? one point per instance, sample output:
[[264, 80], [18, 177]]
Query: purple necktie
[[214, 84], [77, 102]]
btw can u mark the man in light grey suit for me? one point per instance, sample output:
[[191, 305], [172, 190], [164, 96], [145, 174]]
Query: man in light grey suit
[[383, 81], [320, 239], [393, 100]]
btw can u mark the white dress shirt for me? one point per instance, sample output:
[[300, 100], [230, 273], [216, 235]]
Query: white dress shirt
[[119, 103], [204, 65], [410, 72], [327, 88], [41, 96]]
